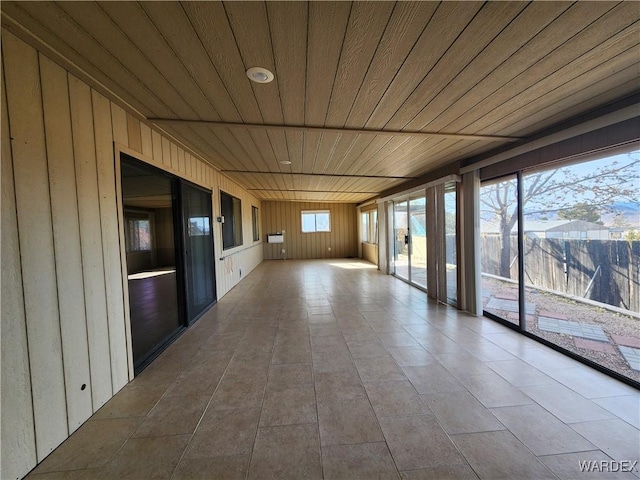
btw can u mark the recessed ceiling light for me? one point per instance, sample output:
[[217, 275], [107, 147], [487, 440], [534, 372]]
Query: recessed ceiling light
[[285, 162], [259, 75]]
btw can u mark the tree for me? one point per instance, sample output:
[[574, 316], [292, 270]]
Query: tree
[[581, 211], [597, 184]]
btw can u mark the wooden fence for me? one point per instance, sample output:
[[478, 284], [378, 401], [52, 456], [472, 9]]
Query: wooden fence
[[569, 266]]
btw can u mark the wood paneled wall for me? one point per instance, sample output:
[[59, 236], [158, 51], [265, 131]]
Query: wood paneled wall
[[287, 216], [65, 331]]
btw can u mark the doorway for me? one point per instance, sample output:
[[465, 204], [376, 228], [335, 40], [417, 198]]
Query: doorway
[[169, 253]]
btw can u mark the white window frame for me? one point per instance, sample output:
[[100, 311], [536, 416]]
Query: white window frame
[[314, 213]]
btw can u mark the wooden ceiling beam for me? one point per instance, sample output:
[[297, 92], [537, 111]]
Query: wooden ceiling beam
[[352, 131]]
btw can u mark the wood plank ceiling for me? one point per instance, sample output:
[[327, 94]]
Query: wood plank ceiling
[[354, 82]]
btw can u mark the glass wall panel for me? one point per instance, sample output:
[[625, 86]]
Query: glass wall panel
[[148, 197], [451, 253], [499, 257], [418, 241], [198, 243], [582, 251], [401, 236]]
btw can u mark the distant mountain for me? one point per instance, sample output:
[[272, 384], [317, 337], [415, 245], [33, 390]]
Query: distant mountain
[[628, 213]]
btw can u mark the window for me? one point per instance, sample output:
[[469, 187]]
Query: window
[[255, 223], [231, 209], [369, 226], [138, 233], [316, 221], [365, 227]]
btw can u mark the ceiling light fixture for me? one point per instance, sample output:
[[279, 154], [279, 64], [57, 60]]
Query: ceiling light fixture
[[259, 75], [285, 162]]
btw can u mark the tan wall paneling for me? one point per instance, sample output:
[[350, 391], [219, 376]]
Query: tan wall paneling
[[65, 316], [370, 252], [279, 216], [66, 231], [147, 144], [17, 437], [102, 121], [135, 135], [35, 231], [91, 240], [119, 122]]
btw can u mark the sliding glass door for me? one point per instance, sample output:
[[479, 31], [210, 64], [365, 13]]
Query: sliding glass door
[[198, 250], [410, 233], [401, 236], [418, 241], [169, 248]]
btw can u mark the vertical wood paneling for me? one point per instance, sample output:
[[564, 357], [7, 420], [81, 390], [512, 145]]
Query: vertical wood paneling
[[35, 231], [105, 165], [181, 162], [175, 164], [279, 216], [147, 144], [120, 130], [17, 437], [91, 241], [156, 140], [166, 152], [66, 230], [135, 136]]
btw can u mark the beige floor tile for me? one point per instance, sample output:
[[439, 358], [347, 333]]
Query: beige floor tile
[[494, 391], [196, 382], [565, 404], [460, 412], [287, 353], [367, 350], [395, 399], [219, 468], [131, 402], [287, 452], [348, 421], [238, 394], [626, 407], [412, 356], [397, 339], [615, 437], [418, 442], [444, 472], [359, 461], [462, 364], [289, 406], [93, 445], [173, 416], [332, 362], [338, 386], [568, 466], [541, 432], [590, 383], [89, 474], [152, 457], [286, 376], [379, 369], [519, 373], [224, 432], [499, 455], [429, 379]]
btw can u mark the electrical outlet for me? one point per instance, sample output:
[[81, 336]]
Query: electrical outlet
[[283, 250], [329, 248]]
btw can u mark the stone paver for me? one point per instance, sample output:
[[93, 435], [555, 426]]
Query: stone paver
[[575, 329], [594, 345], [632, 356], [626, 341], [509, 306]]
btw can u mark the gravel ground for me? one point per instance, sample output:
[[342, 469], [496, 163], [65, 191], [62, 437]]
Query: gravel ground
[[611, 322]]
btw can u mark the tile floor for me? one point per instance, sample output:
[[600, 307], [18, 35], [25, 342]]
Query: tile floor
[[324, 369]]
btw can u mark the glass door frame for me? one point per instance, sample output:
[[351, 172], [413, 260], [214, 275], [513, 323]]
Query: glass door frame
[[409, 241]]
